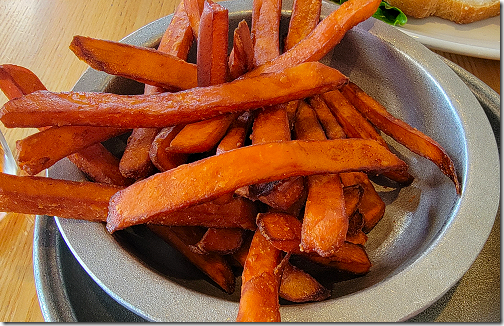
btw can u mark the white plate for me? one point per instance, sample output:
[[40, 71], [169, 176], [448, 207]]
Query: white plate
[[427, 240], [479, 39]]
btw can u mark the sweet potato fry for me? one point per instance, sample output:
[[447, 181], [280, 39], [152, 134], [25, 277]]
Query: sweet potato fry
[[193, 9], [298, 286], [44, 108], [353, 195], [283, 194], [95, 161], [282, 230], [223, 241], [142, 64], [355, 125], [332, 128], [213, 265], [99, 165], [325, 222], [241, 58], [41, 150], [238, 213], [355, 234], [177, 39], [46, 196], [371, 206], [304, 18], [324, 37], [16, 81], [413, 139], [349, 257], [236, 134], [177, 188], [260, 283], [265, 30], [271, 124], [162, 159]]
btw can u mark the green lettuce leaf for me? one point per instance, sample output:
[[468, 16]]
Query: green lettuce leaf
[[387, 13]]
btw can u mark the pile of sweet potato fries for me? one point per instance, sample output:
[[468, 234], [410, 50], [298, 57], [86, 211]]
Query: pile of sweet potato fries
[[287, 146]]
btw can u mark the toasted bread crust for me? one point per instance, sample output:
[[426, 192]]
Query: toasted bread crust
[[458, 11]]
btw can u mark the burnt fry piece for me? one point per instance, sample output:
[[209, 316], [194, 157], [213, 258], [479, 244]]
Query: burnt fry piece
[[177, 39], [95, 161], [282, 230], [158, 154], [55, 197], [371, 206], [177, 188], [355, 125], [142, 64], [299, 286], [325, 221], [44, 108], [324, 37], [410, 137], [304, 18], [241, 58], [44, 148], [213, 265], [260, 283], [223, 241], [237, 213]]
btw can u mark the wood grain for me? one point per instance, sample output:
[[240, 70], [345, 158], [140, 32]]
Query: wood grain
[[36, 35]]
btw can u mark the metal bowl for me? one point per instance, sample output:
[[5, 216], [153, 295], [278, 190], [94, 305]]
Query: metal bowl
[[426, 241]]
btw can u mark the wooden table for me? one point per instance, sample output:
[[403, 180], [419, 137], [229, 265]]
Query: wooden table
[[36, 35]]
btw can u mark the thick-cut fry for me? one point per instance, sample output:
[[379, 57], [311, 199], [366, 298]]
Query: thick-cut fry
[[355, 125], [298, 286], [349, 257], [355, 234], [332, 128], [44, 108], [16, 81], [271, 124], [213, 265], [237, 213], [260, 283], [223, 241], [282, 194], [177, 188], [353, 195], [304, 18], [41, 150], [265, 30], [135, 162], [161, 158], [324, 37], [325, 222], [282, 230], [142, 64], [241, 58], [236, 135], [410, 137], [46, 196], [371, 206], [193, 9], [99, 165], [177, 39], [95, 161]]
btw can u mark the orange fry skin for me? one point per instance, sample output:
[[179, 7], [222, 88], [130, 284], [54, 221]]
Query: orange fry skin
[[299, 286], [142, 64], [208, 178], [158, 154], [241, 58], [44, 108], [41, 150], [349, 257], [223, 241], [304, 18], [193, 9], [16, 81], [55, 197], [413, 139], [260, 283], [282, 230], [324, 37]]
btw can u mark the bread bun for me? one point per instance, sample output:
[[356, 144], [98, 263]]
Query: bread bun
[[459, 11]]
